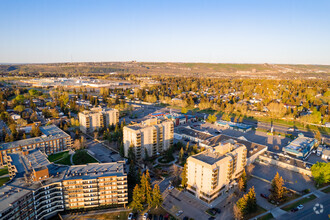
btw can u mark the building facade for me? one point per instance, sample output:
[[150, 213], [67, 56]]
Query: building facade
[[213, 172], [38, 195], [52, 140], [97, 118], [148, 138], [300, 147]]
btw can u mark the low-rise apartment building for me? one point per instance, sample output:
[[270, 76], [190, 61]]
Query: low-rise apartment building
[[97, 118], [212, 172], [52, 140], [151, 136], [39, 189]]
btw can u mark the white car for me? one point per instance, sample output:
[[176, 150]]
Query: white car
[[130, 216], [179, 213], [300, 207], [145, 216], [170, 188]]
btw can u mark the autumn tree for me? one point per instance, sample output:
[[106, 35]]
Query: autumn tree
[[321, 173], [278, 190], [137, 204], [212, 118], [146, 188], [157, 198], [248, 203], [242, 182], [184, 178]]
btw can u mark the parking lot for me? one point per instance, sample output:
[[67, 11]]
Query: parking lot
[[292, 180], [260, 187]]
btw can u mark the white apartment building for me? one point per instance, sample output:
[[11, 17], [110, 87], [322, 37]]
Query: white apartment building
[[213, 172], [151, 136], [97, 118]]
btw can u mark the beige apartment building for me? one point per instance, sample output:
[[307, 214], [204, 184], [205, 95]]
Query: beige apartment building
[[213, 172], [97, 118], [151, 136]]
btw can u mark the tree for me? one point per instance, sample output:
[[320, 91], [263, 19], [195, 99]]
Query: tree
[[19, 108], [82, 142], [184, 110], [248, 203], [157, 198], [76, 145], [121, 150], [278, 189], [321, 173], [136, 203], [212, 118], [317, 136], [181, 154], [146, 188], [242, 182], [237, 212], [131, 154], [184, 178]]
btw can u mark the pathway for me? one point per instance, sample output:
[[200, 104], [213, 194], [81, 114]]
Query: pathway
[[71, 159]]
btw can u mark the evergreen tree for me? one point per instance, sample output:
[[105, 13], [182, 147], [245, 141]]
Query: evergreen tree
[[157, 198], [136, 203], [131, 154], [181, 154], [242, 182], [184, 176], [187, 147], [131, 176], [146, 188], [121, 150], [278, 189]]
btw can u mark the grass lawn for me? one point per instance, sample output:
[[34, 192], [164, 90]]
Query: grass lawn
[[4, 180], [259, 211], [82, 157], [327, 190], [266, 217], [301, 201], [122, 215], [58, 156], [3, 171]]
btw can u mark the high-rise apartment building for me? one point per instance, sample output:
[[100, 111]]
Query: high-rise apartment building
[[39, 189], [150, 136], [212, 172], [97, 118]]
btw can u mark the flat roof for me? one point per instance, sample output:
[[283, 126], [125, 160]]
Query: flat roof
[[193, 133], [252, 147], [300, 143], [50, 132], [288, 160]]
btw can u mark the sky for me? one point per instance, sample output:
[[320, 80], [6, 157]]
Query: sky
[[216, 31]]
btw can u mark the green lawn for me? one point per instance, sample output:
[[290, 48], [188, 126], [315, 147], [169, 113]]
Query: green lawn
[[3, 171], [266, 217], [327, 190], [301, 201], [259, 211], [58, 156], [82, 157], [4, 180]]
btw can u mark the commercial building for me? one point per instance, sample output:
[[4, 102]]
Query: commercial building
[[152, 136], [234, 126], [39, 189], [190, 134], [97, 118], [52, 140], [300, 147], [213, 172]]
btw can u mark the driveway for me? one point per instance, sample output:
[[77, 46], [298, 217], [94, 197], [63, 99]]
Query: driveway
[[260, 187]]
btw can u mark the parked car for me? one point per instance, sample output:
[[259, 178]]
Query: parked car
[[145, 216], [263, 195], [170, 188], [300, 207], [130, 216], [294, 209], [179, 213], [185, 218]]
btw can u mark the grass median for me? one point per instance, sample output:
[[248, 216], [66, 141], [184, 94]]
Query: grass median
[[299, 202]]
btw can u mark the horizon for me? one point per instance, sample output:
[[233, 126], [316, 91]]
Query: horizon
[[254, 32]]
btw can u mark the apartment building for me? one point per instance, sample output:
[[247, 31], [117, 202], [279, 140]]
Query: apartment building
[[39, 189], [152, 136], [97, 118], [213, 172], [52, 140]]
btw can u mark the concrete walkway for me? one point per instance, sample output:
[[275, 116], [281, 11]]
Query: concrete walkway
[[71, 159]]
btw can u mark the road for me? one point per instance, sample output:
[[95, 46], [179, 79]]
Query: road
[[307, 213]]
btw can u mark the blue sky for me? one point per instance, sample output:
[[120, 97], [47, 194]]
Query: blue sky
[[253, 31]]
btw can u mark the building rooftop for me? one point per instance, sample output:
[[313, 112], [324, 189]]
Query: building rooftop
[[288, 160], [252, 147], [50, 132], [193, 133], [301, 143], [10, 194]]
